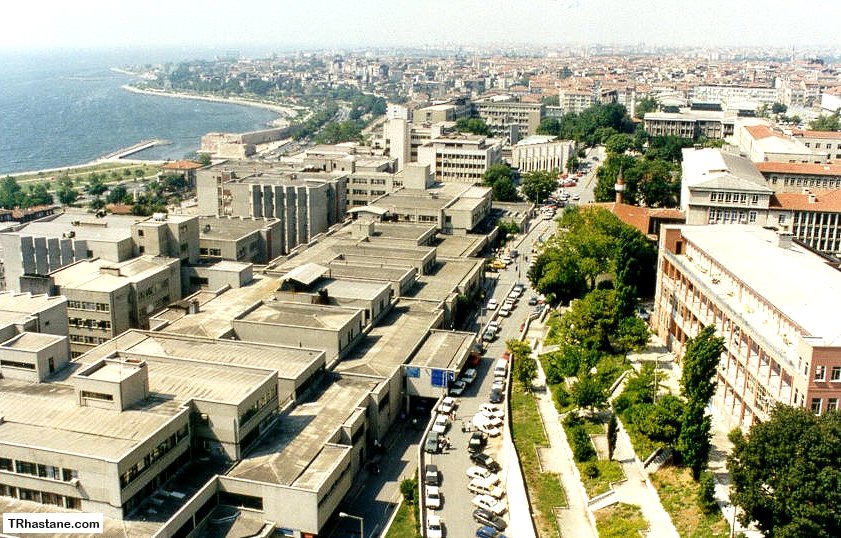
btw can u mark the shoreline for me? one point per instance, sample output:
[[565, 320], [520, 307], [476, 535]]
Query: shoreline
[[285, 112]]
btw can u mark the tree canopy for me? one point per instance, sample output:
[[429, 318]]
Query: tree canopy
[[824, 122], [652, 183], [473, 125], [645, 105], [537, 186], [786, 474], [500, 178]]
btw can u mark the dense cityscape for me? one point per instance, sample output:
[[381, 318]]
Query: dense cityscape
[[456, 292]]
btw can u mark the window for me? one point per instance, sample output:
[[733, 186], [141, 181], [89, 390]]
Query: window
[[781, 219], [140, 233], [820, 373], [816, 405], [97, 396], [754, 199], [832, 404], [836, 373], [752, 216]]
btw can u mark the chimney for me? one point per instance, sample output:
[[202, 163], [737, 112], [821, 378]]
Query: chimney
[[812, 198], [784, 240], [619, 187]]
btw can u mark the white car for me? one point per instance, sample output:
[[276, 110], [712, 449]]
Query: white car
[[482, 473], [514, 295], [480, 487], [489, 503], [434, 528], [447, 405], [441, 424], [489, 420], [499, 384], [494, 326], [505, 311], [492, 304], [433, 497], [470, 375], [491, 410], [490, 431]]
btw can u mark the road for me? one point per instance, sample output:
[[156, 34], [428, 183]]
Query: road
[[456, 511]]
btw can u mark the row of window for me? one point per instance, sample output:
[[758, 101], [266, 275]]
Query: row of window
[[268, 396], [38, 469], [85, 305], [16, 364], [835, 375], [818, 145], [153, 289], [85, 339], [730, 216], [734, 198], [156, 454], [830, 182], [817, 405], [42, 497], [210, 251], [90, 323]]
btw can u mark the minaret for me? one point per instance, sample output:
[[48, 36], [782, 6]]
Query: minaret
[[619, 187]]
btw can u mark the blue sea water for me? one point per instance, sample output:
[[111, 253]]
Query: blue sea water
[[65, 109]]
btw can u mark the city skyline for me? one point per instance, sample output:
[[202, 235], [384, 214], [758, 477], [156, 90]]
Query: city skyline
[[325, 24]]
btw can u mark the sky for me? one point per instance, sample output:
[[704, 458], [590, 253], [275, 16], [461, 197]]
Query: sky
[[296, 24]]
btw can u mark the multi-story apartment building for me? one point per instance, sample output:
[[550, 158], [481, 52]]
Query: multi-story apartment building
[[574, 101], [823, 143], [541, 152], [761, 142], [239, 239], [460, 158], [365, 187], [508, 118], [690, 124], [781, 341], [306, 204], [715, 92], [794, 177]]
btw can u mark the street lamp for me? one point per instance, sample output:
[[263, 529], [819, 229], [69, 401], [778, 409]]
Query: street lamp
[[350, 516]]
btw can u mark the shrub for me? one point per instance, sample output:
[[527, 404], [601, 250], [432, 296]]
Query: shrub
[[582, 447], [573, 420], [561, 396], [409, 489], [706, 493], [591, 470]]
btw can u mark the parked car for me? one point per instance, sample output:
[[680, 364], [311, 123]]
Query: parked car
[[433, 443], [457, 388], [498, 383], [431, 476], [477, 442], [480, 472], [489, 335], [490, 504], [490, 431], [491, 410], [494, 326], [492, 304], [496, 396], [506, 354], [447, 405], [533, 300], [433, 498], [487, 517], [490, 420], [486, 531], [514, 294], [441, 423], [470, 375], [505, 310], [481, 487], [480, 458], [434, 527]]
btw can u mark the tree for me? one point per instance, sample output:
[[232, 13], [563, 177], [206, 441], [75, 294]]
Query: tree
[[786, 474], [95, 185], [588, 392], [65, 192], [500, 177], [11, 195], [590, 321], [826, 123], [661, 421], [700, 362], [204, 159], [693, 444], [619, 143], [706, 493], [778, 108], [539, 186], [572, 163], [631, 335], [612, 431], [644, 106], [473, 125], [549, 126], [38, 194], [552, 100], [117, 194]]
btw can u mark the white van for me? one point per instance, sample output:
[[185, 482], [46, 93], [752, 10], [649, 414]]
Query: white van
[[501, 368], [481, 486]]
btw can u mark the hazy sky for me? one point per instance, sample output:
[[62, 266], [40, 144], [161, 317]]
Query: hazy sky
[[31, 24]]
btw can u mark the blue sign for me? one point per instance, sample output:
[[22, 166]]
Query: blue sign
[[412, 371], [439, 378]]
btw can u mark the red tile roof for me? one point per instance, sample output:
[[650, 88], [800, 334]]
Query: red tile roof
[[815, 169], [827, 201], [181, 165], [816, 134], [640, 217], [760, 131]]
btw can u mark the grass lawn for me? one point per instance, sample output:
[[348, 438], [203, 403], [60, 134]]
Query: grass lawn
[[643, 446], [620, 521], [404, 524], [545, 490], [678, 492], [609, 471], [78, 173], [594, 425]]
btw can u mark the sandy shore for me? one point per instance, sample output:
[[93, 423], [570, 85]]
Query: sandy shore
[[285, 111]]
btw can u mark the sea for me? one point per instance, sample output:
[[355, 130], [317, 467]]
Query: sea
[[68, 108]]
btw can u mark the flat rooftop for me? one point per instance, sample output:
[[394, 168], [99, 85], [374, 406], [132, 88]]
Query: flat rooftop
[[27, 341], [26, 303], [459, 246], [301, 315], [289, 362], [361, 270], [797, 282], [230, 229], [352, 289], [295, 452], [390, 343], [447, 276], [444, 349], [46, 415], [99, 274], [214, 318]]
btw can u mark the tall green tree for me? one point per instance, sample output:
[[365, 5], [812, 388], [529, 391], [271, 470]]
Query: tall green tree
[[786, 474], [549, 126], [644, 106], [700, 362], [590, 322], [11, 194], [831, 122], [474, 126], [539, 185], [693, 444], [500, 178], [66, 192], [95, 185], [117, 194], [38, 194], [612, 432], [588, 392]]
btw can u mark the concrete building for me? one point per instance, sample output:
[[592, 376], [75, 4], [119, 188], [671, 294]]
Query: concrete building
[[761, 142], [460, 158], [365, 187], [508, 118], [542, 153], [575, 101], [794, 177], [781, 341], [720, 188], [306, 204], [823, 143], [693, 124], [715, 92], [813, 219], [33, 336], [185, 169], [239, 239]]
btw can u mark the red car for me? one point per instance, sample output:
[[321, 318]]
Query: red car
[[507, 355]]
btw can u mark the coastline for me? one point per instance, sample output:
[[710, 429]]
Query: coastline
[[285, 112]]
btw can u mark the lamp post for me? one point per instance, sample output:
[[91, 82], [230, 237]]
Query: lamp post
[[350, 516]]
